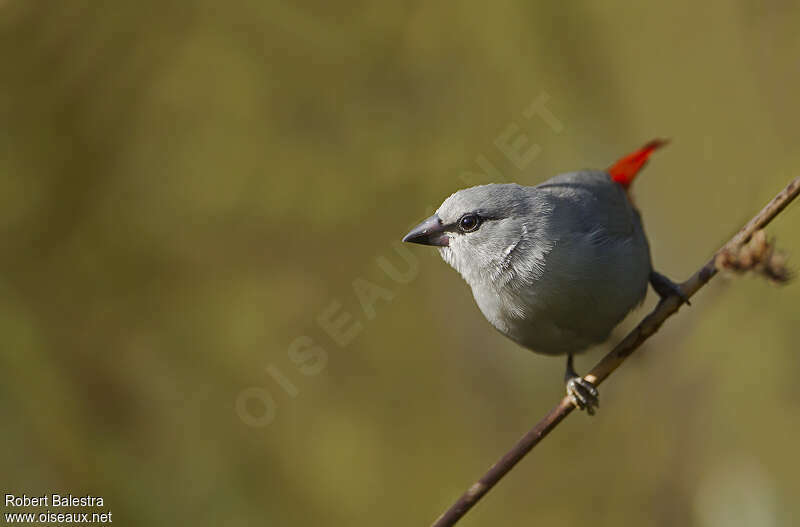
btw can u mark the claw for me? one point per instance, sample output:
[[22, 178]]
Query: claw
[[667, 288], [583, 394]]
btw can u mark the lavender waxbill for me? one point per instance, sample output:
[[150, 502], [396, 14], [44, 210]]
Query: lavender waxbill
[[554, 267]]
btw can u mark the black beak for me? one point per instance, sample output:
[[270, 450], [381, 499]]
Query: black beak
[[429, 232]]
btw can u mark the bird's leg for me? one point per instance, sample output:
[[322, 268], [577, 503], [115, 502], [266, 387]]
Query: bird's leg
[[581, 392], [667, 288]]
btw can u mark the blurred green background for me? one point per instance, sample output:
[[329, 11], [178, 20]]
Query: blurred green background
[[185, 187]]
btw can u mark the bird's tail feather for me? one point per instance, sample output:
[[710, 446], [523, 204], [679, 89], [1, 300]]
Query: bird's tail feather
[[624, 171]]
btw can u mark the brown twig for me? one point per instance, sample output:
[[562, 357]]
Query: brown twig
[[615, 357]]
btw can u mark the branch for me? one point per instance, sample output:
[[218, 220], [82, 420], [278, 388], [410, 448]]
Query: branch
[[615, 357]]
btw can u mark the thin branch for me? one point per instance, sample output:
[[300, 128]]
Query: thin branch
[[614, 358]]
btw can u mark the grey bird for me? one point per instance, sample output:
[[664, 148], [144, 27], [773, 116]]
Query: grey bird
[[554, 267]]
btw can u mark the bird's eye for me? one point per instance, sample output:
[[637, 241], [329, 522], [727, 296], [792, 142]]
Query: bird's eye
[[469, 222]]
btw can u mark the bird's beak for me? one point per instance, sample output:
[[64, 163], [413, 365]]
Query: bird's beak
[[429, 232]]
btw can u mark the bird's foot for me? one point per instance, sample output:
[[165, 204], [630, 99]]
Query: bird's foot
[[667, 288], [583, 394]]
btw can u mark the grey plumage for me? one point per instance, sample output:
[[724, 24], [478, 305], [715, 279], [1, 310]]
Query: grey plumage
[[554, 267]]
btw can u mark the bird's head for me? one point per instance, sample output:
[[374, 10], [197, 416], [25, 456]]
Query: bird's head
[[483, 232]]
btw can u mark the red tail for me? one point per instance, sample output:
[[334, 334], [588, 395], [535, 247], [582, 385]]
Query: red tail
[[624, 171]]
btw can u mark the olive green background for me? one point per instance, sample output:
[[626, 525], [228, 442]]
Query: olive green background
[[185, 187]]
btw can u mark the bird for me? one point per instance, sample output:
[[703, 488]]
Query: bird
[[555, 266]]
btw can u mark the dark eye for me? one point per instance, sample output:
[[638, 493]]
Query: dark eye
[[469, 222]]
